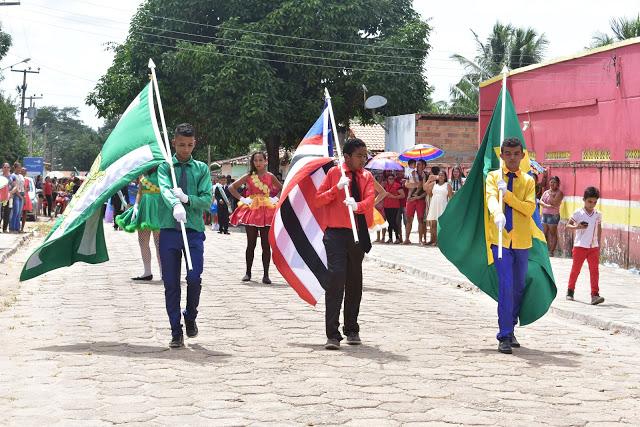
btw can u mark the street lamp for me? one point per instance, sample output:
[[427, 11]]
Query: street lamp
[[11, 66]]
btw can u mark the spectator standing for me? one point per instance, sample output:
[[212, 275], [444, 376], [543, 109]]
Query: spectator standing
[[440, 192], [550, 202], [457, 179], [5, 209], [17, 194], [47, 189], [391, 204]]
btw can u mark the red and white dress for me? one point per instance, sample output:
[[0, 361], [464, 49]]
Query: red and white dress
[[260, 212]]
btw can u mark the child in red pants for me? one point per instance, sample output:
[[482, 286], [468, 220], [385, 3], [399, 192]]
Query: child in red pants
[[587, 222]]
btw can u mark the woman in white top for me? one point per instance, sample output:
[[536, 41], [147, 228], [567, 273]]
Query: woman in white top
[[440, 192]]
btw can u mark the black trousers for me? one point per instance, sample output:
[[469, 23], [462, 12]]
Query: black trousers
[[5, 217], [392, 220], [344, 280], [223, 218]]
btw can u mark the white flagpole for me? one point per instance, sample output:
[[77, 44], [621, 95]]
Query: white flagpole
[[167, 150], [505, 71], [340, 162]]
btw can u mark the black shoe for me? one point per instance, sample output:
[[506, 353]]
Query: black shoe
[[596, 299], [226, 232], [354, 339], [505, 347], [514, 342], [177, 341], [569, 294], [219, 232], [266, 280], [146, 278], [246, 277], [332, 344], [191, 327]]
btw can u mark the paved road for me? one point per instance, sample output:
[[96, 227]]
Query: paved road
[[86, 346]]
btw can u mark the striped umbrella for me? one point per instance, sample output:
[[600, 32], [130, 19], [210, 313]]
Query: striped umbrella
[[424, 152]]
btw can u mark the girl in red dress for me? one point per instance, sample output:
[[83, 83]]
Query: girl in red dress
[[255, 211]]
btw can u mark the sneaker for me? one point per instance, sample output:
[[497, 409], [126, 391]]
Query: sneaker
[[332, 344], [570, 295], [505, 347], [177, 341], [191, 327], [354, 339], [246, 277], [514, 342], [596, 299]]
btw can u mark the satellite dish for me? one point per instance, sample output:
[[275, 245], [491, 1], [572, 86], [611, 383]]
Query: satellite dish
[[375, 101]]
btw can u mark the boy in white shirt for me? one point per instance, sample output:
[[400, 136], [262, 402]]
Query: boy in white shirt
[[587, 222]]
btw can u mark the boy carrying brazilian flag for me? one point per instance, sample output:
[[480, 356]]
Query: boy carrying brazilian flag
[[521, 279]]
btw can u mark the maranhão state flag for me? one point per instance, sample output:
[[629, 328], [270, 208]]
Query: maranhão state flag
[[463, 240], [297, 229], [133, 147]]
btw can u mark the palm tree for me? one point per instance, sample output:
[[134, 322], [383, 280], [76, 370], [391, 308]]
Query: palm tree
[[507, 45], [622, 28]]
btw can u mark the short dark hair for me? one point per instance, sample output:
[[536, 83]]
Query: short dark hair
[[411, 161], [512, 143], [435, 170], [184, 129], [352, 144], [423, 162], [590, 192], [555, 178]]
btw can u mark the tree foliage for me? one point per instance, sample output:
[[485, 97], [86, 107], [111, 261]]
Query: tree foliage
[[243, 71], [622, 29], [12, 143], [69, 143], [506, 45]]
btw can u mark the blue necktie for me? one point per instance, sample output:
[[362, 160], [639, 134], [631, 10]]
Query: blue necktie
[[508, 210]]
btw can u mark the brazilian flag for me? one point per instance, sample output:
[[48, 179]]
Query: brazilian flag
[[463, 227]]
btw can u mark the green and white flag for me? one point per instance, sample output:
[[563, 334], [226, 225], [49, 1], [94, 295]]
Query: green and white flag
[[134, 146]]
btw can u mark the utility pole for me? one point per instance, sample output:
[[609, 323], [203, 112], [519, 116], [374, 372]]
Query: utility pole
[[23, 90], [31, 116]]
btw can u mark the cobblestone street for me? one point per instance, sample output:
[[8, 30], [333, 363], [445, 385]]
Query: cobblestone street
[[85, 345]]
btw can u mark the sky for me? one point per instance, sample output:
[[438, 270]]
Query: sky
[[67, 39]]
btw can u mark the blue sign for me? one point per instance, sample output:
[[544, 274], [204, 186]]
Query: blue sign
[[34, 166]]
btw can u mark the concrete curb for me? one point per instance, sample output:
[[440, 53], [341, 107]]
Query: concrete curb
[[587, 319], [21, 241]]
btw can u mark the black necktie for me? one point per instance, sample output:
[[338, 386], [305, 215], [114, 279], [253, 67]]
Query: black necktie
[[361, 222]]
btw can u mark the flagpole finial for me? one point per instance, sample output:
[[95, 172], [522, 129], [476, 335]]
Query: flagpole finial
[[151, 64]]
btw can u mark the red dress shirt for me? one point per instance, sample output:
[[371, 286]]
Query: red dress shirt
[[328, 195]]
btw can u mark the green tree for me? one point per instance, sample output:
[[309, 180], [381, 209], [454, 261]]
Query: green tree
[[506, 45], [622, 29], [255, 71], [69, 142], [12, 143]]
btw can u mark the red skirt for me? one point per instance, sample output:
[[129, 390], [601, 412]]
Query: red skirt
[[258, 214]]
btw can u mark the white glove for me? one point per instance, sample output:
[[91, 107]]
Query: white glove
[[180, 195], [179, 213], [135, 212], [502, 186], [500, 220], [273, 200], [343, 182], [246, 200], [351, 202]]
